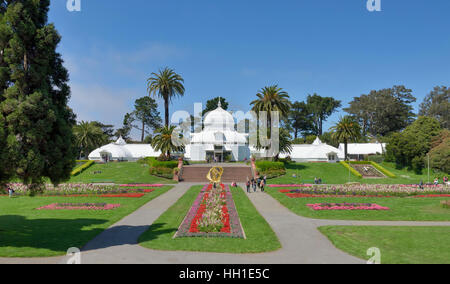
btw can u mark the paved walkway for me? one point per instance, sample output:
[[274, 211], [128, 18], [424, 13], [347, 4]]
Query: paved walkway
[[300, 239]]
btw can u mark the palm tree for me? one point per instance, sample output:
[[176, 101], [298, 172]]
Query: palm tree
[[88, 137], [166, 85], [271, 98], [285, 143], [163, 141], [347, 129]]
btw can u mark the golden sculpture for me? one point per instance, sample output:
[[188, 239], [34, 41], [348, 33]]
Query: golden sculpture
[[215, 175]]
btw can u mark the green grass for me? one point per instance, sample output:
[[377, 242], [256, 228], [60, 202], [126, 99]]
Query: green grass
[[401, 209], [398, 245], [260, 237], [334, 173], [120, 173], [27, 232]]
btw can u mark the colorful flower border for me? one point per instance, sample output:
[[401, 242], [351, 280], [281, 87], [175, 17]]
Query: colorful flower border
[[81, 206], [347, 206], [232, 228]]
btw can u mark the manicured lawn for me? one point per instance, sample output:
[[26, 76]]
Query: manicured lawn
[[260, 237], [119, 173], [401, 209], [398, 245], [332, 173], [27, 232]]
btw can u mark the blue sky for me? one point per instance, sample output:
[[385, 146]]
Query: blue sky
[[234, 48]]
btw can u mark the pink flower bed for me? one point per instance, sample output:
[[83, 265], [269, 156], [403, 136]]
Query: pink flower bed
[[80, 206], [141, 185], [291, 185], [346, 206]]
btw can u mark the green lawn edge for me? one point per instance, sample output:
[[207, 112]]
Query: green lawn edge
[[398, 245], [26, 232], [401, 209], [260, 236]]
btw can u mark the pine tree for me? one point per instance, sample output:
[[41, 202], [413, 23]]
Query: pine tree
[[34, 95]]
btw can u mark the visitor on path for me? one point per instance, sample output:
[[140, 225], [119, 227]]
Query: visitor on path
[[262, 186], [265, 180], [248, 186], [254, 185], [10, 192], [259, 182], [320, 181], [436, 181], [421, 184], [316, 181], [445, 180]]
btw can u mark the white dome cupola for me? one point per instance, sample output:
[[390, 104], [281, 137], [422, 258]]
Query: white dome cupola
[[219, 119]]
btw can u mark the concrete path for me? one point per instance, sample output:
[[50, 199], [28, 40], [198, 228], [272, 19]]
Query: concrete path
[[300, 239]]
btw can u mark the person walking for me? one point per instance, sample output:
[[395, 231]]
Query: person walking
[[254, 185], [248, 185], [265, 180], [262, 186], [10, 192]]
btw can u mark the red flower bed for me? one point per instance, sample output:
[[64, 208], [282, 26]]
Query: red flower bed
[[303, 195], [432, 195], [213, 214]]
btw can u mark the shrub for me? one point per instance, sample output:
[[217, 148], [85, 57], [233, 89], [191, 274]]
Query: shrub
[[273, 173], [82, 168], [446, 204], [165, 164], [263, 166], [162, 172]]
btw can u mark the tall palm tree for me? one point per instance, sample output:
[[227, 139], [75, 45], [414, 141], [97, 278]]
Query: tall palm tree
[[163, 141], [347, 129], [166, 85], [88, 137], [271, 98]]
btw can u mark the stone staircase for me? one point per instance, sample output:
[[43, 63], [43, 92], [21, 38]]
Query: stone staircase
[[230, 174]]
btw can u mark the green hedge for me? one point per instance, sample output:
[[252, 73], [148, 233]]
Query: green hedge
[[375, 165], [162, 172], [165, 164], [264, 166], [352, 170], [83, 167], [383, 170], [272, 173]]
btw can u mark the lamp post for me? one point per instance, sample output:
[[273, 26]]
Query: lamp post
[[428, 156]]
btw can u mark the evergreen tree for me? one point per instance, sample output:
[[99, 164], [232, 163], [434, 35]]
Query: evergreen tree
[[34, 95]]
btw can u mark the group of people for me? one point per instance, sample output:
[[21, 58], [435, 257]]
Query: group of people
[[317, 180], [444, 180], [259, 183]]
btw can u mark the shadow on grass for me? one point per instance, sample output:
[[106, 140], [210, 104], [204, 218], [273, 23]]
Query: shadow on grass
[[126, 235], [56, 235], [298, 167]]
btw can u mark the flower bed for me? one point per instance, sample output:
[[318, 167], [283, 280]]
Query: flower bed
[[79, 206], [141, 185], [346, 206], [213, 214], [367, 190], [79, 189]]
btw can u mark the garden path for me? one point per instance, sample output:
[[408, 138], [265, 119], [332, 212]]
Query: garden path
[[300, 239]]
